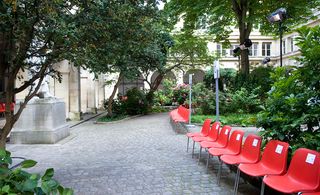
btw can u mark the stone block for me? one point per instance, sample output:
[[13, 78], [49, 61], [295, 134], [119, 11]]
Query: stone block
[[43, 121]]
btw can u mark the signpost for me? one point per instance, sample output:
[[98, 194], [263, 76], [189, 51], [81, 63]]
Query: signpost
[[216, 75], [190, 96]]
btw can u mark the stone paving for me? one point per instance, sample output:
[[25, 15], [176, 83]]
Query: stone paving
[[137, 156]]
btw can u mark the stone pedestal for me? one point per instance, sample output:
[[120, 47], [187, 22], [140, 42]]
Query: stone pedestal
[[43, 121]]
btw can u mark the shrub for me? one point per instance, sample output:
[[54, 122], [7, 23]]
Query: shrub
[[136, 102], [243, 101], [117, 105], [292, 109], [19, 181]]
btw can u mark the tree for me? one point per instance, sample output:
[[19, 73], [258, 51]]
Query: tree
[[220, 16], [184, 51], [33, 36], [120, 37]]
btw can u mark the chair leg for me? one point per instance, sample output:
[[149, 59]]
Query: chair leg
[[219, 171], [208, 157], [200, 154], [236, 183], [193, 148], [188, 144], [263, 185]]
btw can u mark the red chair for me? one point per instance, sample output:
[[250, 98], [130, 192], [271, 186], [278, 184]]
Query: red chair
[[2, 108], [211, 137], [303, 173], [204, 131], [233, 148], [273, 161], [250, 153], [12, 105], [221, 142]]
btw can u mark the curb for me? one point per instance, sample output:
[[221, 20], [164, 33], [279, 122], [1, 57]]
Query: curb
[[113, 122], [85, 120]]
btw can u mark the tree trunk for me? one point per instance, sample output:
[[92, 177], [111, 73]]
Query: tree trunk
[[244, 66], [110, 100], [154, 86]]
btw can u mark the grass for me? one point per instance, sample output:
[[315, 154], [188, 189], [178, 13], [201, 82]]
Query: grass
[[230, 119], [111, 118]]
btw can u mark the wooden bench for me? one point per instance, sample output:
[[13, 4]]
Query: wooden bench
[[178, 117]]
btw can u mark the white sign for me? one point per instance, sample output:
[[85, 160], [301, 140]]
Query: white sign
[[310, 158], [255, 142], [238, 137], [190, 79], [279, 149], [216, 70]]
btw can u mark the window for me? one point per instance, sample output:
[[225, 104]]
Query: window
[[253, 50], [266, 49], [283, 47], [291, 44], [220, 50]]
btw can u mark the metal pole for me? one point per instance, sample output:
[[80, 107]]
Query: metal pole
[[280, 29], [190, 96], [217, 99], [216, 76]]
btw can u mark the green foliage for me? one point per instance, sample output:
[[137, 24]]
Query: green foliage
[[19, 181], [228, 119], [117, 106], [114, 117], [136, 102], [158, 109], [227, 78], [243, 101], [258, 78], [180, 93], [293, 105], [164, 96]]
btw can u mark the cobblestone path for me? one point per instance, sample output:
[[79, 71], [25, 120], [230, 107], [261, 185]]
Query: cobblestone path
[[137, 156]]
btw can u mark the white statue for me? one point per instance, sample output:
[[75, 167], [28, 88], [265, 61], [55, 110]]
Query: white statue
[[44, 89]]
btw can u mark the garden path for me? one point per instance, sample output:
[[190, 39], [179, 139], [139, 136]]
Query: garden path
[[138, 156]]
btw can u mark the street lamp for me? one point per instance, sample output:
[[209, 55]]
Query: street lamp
[[278, 16]]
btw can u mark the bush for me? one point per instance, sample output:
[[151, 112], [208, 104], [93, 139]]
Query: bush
[[292, 109], [243, 101], [117, 106], [136, 102], [19, 181]]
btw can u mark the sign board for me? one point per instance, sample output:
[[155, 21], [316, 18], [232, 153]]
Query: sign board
[[190, 79], [216, 71]]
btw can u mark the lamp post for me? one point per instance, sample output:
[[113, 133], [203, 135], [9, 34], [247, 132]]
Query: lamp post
[[216, 75], [278, 16]]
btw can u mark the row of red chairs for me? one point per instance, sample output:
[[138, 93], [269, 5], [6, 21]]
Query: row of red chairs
[[303, 175], [3, 107], [181, 114]]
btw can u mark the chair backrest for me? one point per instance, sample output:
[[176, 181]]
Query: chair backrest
[[184, 112], [304, 167], [224, 135], [2, 107], [251, 148], [206, 127], [214, 131], [275, 156], [235, 141]]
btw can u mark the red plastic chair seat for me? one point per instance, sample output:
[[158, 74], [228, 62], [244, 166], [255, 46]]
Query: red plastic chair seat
[[195, 134], [257, 170], [286, 184], [201, 139], [207, 144], [232, 160]]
